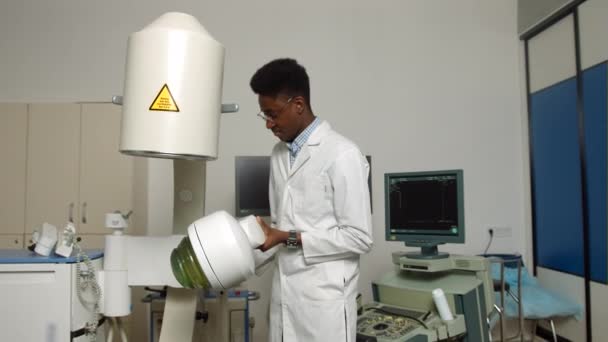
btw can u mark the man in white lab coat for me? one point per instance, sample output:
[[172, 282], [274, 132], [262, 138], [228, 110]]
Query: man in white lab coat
[[320, 213]]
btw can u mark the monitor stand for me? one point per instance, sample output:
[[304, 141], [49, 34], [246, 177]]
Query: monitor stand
[[428, 250]]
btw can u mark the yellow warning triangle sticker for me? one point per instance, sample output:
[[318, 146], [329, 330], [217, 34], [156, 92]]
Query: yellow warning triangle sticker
[[164, 101]]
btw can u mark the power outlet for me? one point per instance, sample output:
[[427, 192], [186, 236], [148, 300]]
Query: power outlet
[[501, 231]]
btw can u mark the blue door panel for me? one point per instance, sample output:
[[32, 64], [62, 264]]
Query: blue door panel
[[557, 179], [595, 109]]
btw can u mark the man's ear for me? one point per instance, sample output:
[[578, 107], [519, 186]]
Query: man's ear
[[299, 102]]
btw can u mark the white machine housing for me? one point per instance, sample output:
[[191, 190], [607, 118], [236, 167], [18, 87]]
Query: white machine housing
[[223, 247], [174, 51], [171, 109]]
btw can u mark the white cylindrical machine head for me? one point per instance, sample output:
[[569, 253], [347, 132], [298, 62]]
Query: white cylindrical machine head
[[223, 250], [172, 91]]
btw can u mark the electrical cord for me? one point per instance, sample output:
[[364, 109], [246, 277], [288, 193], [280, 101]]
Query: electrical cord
[[85, 279], [491, 232], [83, 331]]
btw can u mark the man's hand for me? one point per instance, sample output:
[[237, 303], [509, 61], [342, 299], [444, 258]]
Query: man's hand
[[273, 236]]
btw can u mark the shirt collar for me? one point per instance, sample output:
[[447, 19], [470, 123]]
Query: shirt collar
[[296, 145]]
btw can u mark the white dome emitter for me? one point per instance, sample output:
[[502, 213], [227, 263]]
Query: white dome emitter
[[172, 91], [218, 252]]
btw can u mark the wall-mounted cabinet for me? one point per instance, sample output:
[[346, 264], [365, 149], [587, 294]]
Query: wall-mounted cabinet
[[106, 175], [52, 168], [13, 146], [63, 164], [11, 241]]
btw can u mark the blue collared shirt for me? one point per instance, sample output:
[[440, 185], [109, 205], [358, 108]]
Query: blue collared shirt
[[296, 145]]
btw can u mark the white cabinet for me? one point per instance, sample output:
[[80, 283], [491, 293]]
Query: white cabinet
[[92, 241], [40, 300], [13, 139], [11, 241], [52, 167], [62, 163], [106, 175]]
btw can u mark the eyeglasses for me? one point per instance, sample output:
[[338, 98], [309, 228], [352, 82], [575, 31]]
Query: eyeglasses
[[270, 117]]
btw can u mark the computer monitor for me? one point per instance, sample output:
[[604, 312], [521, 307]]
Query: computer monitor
[[425, 209], [251, 185]]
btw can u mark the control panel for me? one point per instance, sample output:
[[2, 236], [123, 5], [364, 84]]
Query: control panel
[[382, 323]]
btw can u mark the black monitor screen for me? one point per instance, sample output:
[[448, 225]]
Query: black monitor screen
[[424, 204], [252, 175]]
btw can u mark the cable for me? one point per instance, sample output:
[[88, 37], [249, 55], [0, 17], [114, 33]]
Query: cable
[[491, 232], [84, 331], [89, 280]]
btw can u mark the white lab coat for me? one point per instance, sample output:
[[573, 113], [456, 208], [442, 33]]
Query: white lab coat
[[325, 196]]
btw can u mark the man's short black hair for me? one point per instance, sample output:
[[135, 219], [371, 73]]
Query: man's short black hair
[[281, 76]]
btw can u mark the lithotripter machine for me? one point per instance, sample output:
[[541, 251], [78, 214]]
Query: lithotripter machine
[[406, 306], [171, 109]]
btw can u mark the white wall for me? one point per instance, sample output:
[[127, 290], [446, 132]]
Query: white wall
[[419, 85]]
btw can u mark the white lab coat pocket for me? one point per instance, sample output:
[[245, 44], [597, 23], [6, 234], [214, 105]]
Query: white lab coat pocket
[[314, 200]]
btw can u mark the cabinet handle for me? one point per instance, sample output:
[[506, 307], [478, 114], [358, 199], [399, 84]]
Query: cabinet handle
[[84, 212], [71, 212]]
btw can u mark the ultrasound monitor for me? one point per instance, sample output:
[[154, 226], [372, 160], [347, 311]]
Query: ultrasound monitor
[[425, 209]]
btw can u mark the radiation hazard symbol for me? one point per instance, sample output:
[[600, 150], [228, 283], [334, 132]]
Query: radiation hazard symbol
[[164, 101]]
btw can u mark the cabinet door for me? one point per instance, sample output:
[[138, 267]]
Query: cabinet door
[[106, 175], [52, 167], [92, 241], [13, 241], [13, 138]]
